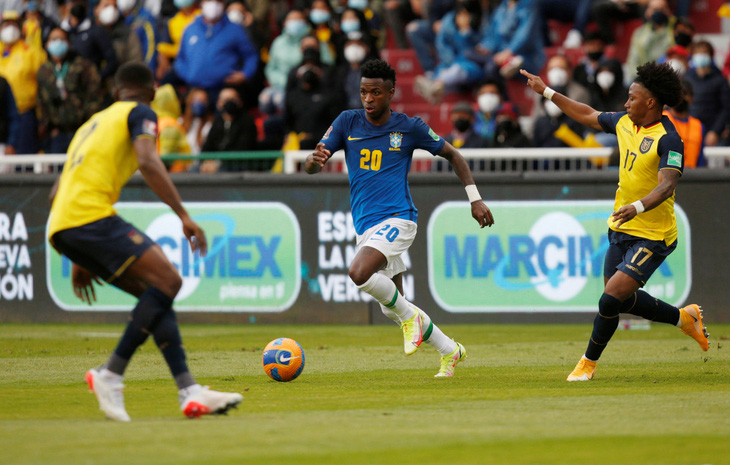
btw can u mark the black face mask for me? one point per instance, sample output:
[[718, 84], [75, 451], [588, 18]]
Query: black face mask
[[462, 124], [78, 11], [231, 107], [659, 18], [682, 39], [682, 107], [595, 56], [311, 55]]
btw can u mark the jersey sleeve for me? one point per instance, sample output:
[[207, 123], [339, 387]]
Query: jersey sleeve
[[609, 120], [427, 139], [671, 152], [142, 122], [334, 138]]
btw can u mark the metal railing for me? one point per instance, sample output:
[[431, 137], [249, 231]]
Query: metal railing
[[290, 162]]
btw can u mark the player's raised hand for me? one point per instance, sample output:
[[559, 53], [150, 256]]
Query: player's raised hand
[[195, 235], [316, 160], [482, 213], [83, 283], [534, 82]]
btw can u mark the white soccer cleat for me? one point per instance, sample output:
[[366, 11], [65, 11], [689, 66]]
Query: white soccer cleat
[[109, 394], [204, 401]]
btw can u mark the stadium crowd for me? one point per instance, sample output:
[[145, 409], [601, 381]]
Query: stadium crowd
[[246, 75]]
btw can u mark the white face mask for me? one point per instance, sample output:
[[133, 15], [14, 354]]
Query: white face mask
[[488, 102], [355, 53], [125, 5], [10, 34], [108, 15], [605, 79], [212, 10], [558, 77], [552, 110], [236, 17], [677, 65]]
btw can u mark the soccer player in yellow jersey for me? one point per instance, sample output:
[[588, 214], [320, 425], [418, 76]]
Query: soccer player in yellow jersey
[[642, 228], [84, 227]]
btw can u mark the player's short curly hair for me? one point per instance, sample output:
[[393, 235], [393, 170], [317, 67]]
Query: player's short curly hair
[[378, 69], [134, 74], [662, 81]]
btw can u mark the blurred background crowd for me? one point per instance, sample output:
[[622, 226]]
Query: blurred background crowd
[[254, 75]]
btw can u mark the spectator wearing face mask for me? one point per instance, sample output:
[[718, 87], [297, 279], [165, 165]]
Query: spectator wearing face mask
[[310, 102], [19, 65], [560, 77], [678, 58], [126, 43], [462, 135], [373, 21], [197, 118], [69, 92], [489, 101], [238, 12], [651, 40], [353, 20], [284, 54], [320, 15], [214, 52], [233, 130], [608, 93], [555, 129], [689, 128], [347, 74], [711, 103], [594, 47], [171, 35], [90, 40]]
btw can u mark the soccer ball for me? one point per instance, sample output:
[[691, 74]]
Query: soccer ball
[[283, 359]]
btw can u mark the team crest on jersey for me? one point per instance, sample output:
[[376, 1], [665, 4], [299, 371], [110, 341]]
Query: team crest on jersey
[[396, 139], [646, 144]]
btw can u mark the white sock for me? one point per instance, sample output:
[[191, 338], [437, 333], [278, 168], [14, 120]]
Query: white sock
[[183, 393], [110, 376], [437, 339], [384, 291]]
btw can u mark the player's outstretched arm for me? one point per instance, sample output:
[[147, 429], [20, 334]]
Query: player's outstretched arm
[[316, 160], [154, 172], [479, 210], [580, 112]]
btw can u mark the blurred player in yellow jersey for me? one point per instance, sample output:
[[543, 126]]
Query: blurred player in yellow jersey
[[84, 227], [642, 228]]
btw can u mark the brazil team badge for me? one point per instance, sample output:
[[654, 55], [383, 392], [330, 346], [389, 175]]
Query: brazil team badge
[[396, 138]]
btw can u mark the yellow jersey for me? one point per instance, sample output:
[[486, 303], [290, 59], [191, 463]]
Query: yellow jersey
[[101, 159], [643, 152]]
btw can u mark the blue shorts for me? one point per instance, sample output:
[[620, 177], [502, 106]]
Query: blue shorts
[[106, 247], [636, 256]]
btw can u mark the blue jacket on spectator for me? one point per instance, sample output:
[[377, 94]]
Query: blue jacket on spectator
[[517, 29], [451, 46], [210, 52]]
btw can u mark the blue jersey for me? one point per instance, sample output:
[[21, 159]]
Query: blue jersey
[[378, 160]]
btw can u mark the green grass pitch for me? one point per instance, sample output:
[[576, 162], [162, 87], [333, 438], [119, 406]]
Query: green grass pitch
[[656, 399]]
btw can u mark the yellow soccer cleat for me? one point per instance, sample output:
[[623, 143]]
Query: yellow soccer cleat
[[691, 317], [583, 371], [412, 333], [449, 361]]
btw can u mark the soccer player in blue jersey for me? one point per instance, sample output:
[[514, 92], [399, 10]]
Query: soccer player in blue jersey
[[84, 227], [642, 228], [379, 145]]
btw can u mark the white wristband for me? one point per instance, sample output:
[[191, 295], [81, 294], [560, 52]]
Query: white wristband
[[548, 93], [638, 206], [472, 193]]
